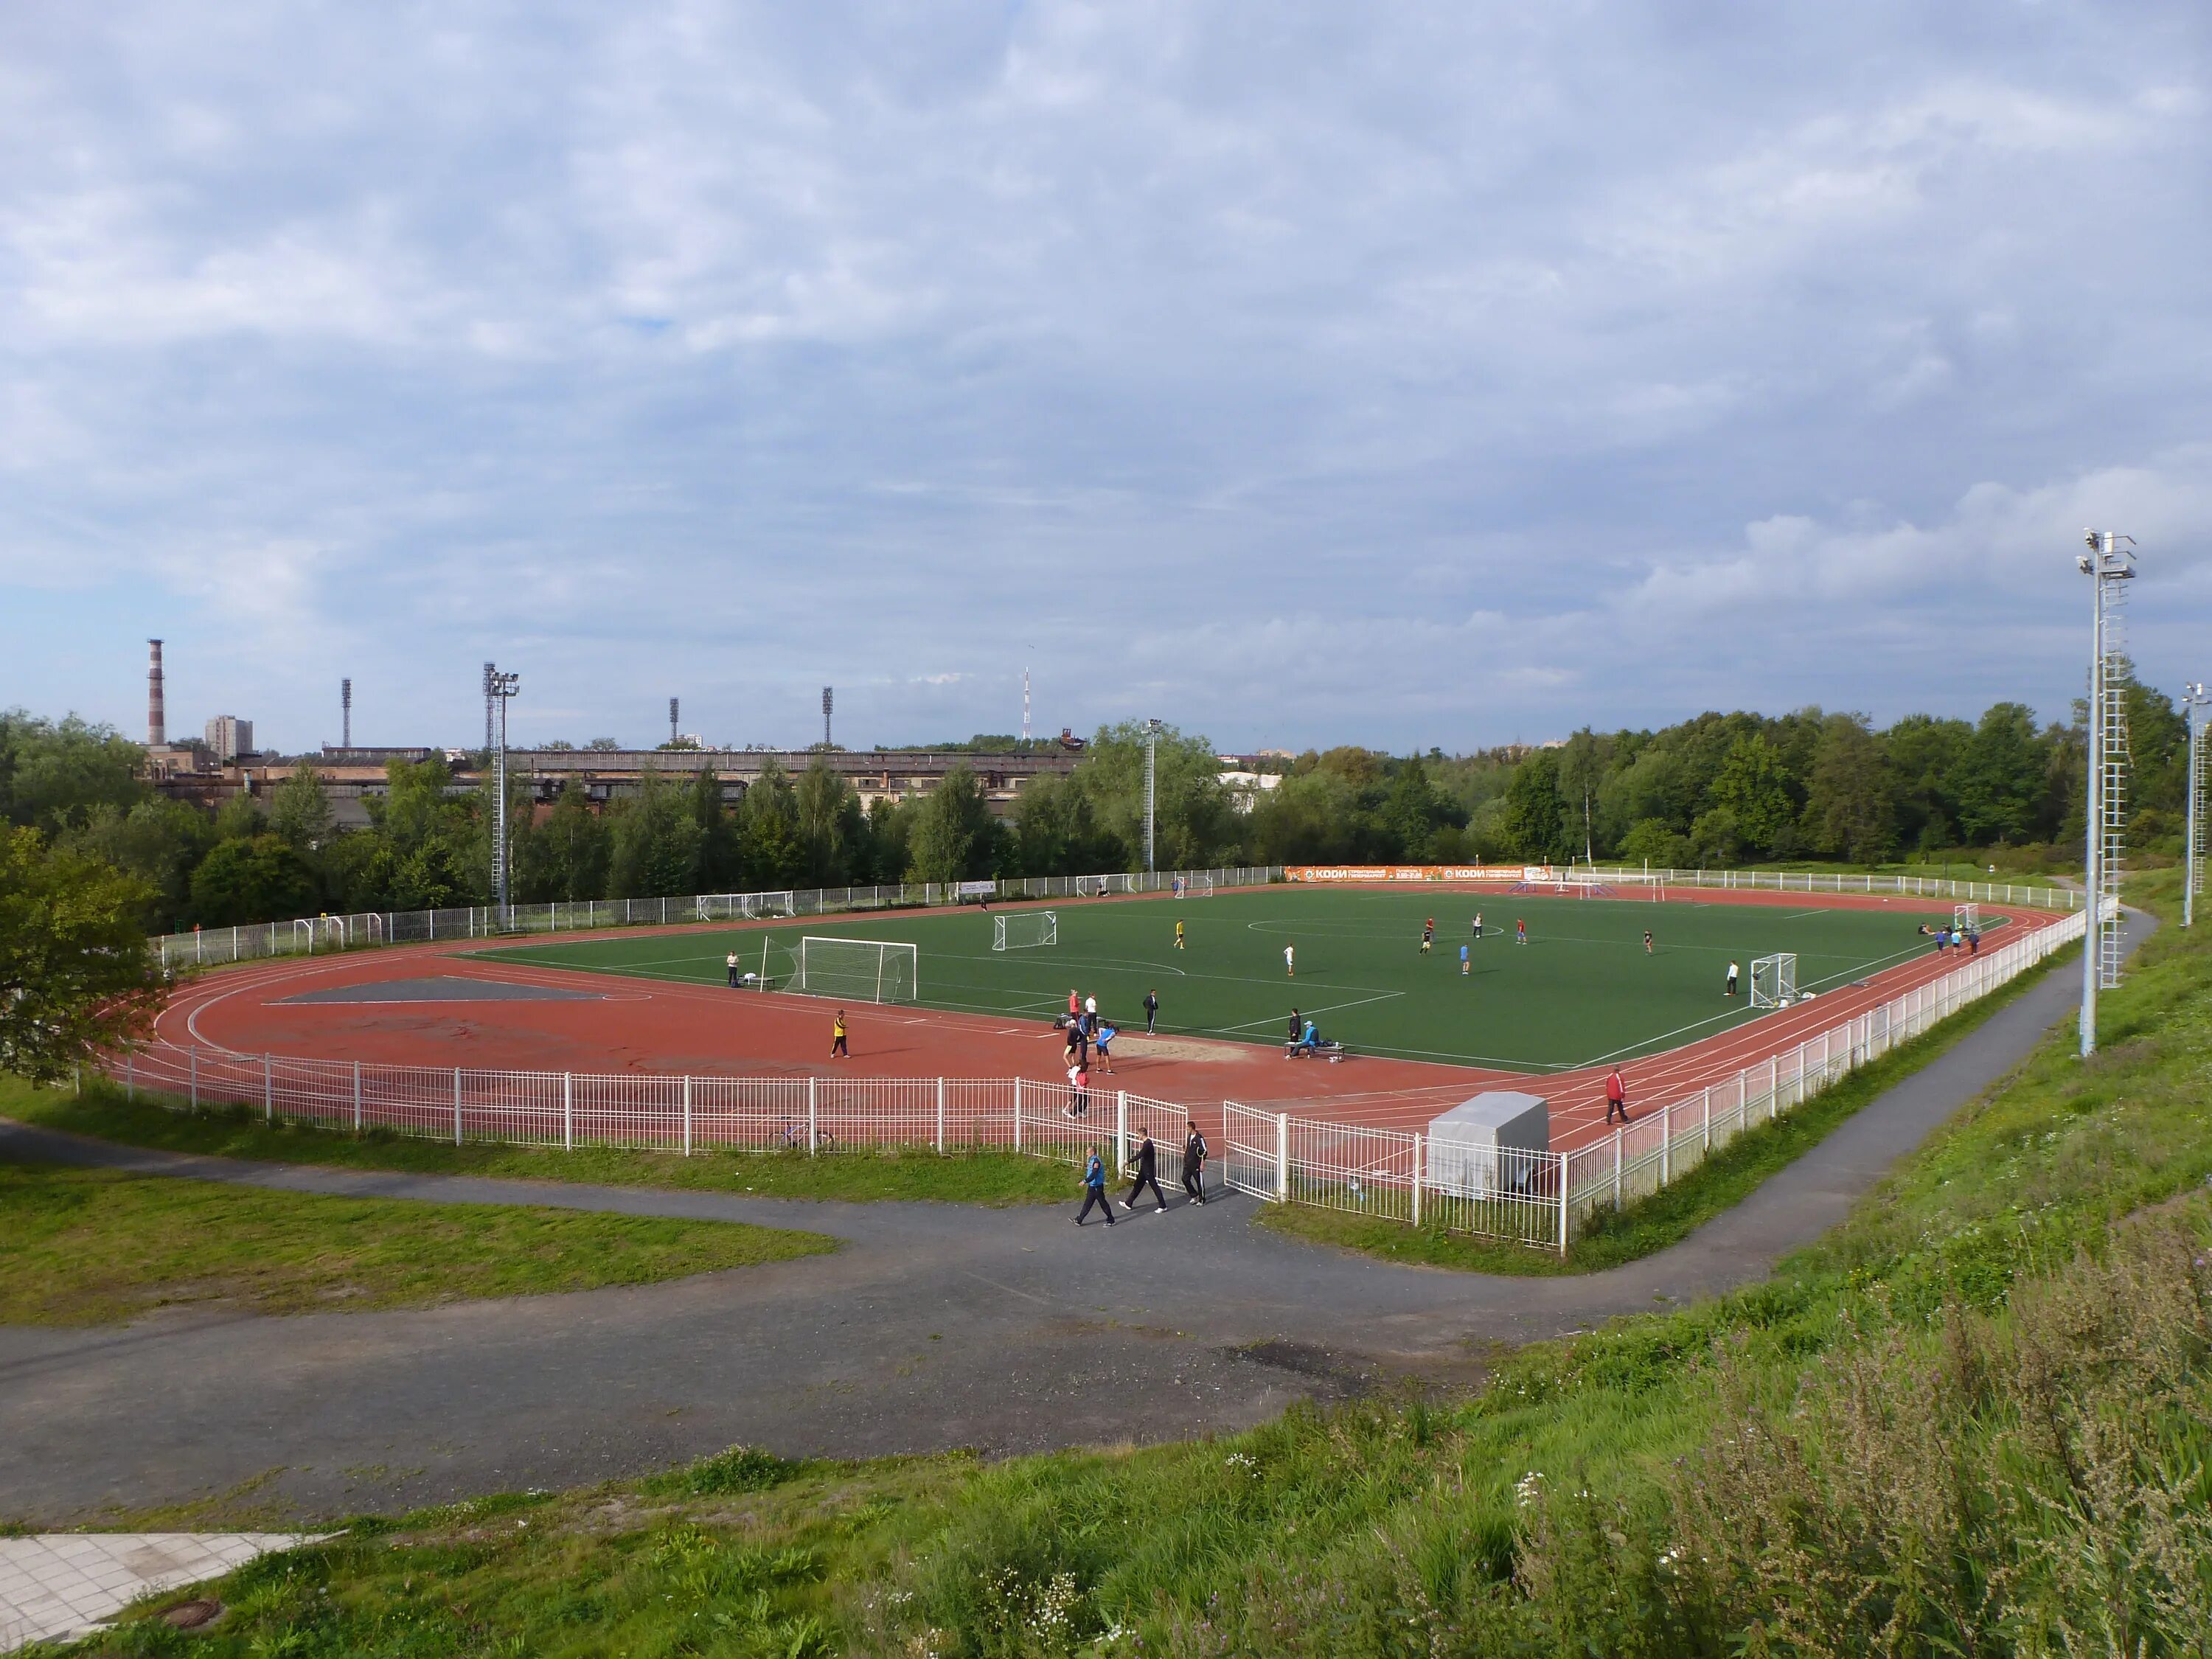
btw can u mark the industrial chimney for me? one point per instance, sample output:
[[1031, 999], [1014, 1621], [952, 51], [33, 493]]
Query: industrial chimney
[[345, 714], [157, 724]]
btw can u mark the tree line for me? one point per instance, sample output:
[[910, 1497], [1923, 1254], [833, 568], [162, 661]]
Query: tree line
[[1717, 790]]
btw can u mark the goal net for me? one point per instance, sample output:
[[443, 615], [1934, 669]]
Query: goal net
[[1025, 930], [1774, 980], [1099, 886], [1967, 918], [1197, 884], [860, 969]]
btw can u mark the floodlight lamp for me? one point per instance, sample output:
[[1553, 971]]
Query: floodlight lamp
[[2089, 538], [2086, 564]]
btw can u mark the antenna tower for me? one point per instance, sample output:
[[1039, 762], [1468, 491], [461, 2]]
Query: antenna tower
[[345, 714], [491, 699], [1025, 705], [671, 722], [827, 697], [2193, 701]]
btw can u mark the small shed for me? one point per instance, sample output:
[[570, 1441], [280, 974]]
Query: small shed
[[1473, 1148]]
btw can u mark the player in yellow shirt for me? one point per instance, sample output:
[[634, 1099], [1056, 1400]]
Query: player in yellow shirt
[[1178, 936]]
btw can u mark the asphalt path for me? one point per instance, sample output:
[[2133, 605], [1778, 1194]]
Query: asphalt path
[[936, 1327]]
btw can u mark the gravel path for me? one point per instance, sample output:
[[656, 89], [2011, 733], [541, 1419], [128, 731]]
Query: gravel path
[[936, 1327]]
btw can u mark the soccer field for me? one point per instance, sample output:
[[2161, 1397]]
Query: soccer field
[[1582, 991]]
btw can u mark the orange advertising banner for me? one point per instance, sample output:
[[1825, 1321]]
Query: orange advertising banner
[[1325, 873]]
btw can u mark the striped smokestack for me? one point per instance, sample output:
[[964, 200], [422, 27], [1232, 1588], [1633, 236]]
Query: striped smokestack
[[157, 724]]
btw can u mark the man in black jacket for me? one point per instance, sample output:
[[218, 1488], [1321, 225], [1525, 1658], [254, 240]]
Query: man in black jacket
[[1194, 1164], [1148, 1171]]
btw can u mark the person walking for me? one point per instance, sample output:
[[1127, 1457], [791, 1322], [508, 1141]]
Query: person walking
[[1193, 1163], [1148, 1172], [1465, 960], [1297, 1025], [1478, 926], [1428, 935], [1178, 935], [1647, 941], [731, 963], [1616, 1095], [1519, 931], [837, 1048], [1151, 1011], [1290, 962], [1731, 978], [1106, 1036], [1973, 941], [1094, 1189], [1075, 1004]]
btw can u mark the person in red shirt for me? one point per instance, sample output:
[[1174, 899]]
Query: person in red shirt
[[1616, 1095]]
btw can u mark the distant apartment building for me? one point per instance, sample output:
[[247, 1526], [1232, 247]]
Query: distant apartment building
[[229, 737]]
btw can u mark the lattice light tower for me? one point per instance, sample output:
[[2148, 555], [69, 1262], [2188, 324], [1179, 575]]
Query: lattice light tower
[[498, 689], [2109, 568], [1152, 774], [2193, 701]]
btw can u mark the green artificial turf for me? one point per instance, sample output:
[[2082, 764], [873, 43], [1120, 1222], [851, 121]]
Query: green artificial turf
[[1582, 990]]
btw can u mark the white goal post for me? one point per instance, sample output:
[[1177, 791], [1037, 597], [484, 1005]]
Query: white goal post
[[1024, 930], [1099, 886], [858, 969], [1774, 979], [1967, 918], [1194, 883]]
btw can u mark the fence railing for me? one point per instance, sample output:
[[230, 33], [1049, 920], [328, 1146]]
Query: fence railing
[[1537, 1198], [308, 935], [1817, 881], [665, 1112]]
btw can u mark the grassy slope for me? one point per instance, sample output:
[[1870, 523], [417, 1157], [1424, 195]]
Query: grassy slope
[[1671, 1214], [1583, 989], [240, 1132], [86, 1247], [1926, 1425]]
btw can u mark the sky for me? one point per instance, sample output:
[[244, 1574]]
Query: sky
[[1403, 374]]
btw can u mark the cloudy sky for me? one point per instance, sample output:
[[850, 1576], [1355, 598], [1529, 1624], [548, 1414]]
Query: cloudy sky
[[1405, 375]]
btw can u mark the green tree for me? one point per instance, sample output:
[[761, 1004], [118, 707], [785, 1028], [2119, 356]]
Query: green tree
[[160, 841], [76, 978], [1195, 821], [239, 819], [769, 847], [1532, 821], [952, 837], [2001, 777], [1753, 787], [299, 811], [1304, 819], [263, 879], [656, 842], [1056, 831], [1924, 754], [1583, 764], [830, 826], [563, 860], [53, 773], [718, 863], [1848, 808]]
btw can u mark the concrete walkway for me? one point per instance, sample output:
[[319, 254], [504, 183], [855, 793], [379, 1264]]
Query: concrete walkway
[[64, 1586], [937, 1327]]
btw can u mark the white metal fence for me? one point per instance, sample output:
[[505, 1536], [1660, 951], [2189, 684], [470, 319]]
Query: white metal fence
[[2043, 897], [666, 1113], [1538, 1197], [310, 934]]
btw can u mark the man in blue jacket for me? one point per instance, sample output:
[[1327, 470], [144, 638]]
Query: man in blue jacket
[[1094, 1189]]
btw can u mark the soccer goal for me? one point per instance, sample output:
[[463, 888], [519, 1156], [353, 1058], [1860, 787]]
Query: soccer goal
[[1196, 883], [1774, 980], [1967, 918], [862, 969], [1025, 930], [1099, 886]]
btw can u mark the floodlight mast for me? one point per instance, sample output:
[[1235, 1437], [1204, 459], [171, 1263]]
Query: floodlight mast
[[2108, 566], [2193, 701], [1151, 772], [502, 688]]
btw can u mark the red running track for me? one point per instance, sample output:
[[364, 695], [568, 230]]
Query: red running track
[[645, 1025]]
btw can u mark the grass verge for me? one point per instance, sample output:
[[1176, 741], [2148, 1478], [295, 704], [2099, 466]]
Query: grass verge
[[86, 1247], [980, 1177], [1671, 1214], [1977, 1418]]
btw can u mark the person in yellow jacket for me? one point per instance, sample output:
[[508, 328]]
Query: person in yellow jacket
[[837, 1048]]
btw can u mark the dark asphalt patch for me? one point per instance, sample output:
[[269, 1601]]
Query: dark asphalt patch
[[442, 989]]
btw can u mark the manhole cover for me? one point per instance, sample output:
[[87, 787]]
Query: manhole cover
[[191, 1615]]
